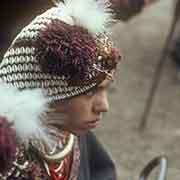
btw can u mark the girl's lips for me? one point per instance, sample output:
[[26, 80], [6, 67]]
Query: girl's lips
[[90, 125], [93, 124], [93, 121]]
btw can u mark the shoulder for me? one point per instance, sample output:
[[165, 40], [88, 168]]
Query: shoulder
[[26, 166]]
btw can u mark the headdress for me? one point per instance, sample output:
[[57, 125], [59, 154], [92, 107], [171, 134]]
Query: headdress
[[62, 53]]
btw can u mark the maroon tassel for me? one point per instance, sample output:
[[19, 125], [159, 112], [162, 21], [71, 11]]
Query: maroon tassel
[[7, 144], [62, 49]]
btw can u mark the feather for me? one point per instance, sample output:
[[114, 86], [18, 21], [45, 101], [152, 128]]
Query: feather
[[23, 108], [91, 14]]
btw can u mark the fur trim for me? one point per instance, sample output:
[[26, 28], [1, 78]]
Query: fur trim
[[91, 14], [24, 108]]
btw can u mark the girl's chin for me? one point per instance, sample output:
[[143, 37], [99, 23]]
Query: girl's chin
[[81, 131], [85, 130]]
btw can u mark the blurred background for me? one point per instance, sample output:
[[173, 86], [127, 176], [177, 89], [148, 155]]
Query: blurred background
[[143, 121]]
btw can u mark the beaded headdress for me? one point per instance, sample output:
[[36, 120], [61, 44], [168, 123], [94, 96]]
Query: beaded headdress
[[65, 51]]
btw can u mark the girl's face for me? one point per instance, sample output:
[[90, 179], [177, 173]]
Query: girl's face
[[83, 112]]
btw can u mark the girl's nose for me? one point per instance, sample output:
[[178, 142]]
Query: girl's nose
[[101, 103]]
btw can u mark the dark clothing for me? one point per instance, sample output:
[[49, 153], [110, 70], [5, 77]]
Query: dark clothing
[[125, 9], [95, 163], [175, 38]]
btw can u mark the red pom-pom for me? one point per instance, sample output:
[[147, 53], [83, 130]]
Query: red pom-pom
[[7, 144], [62, 49]]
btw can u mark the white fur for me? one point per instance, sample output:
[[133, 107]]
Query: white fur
[[90, 14], [24, 109]]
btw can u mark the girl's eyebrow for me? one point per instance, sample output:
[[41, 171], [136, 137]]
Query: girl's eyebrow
[[107, 84]]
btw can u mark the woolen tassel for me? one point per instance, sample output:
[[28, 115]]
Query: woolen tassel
[[8, 144]]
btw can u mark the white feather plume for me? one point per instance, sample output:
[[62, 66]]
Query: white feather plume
[[91, 14], [24, 109]]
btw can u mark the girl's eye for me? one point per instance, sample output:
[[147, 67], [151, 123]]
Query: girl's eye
[[92, 92]]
